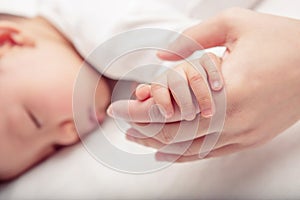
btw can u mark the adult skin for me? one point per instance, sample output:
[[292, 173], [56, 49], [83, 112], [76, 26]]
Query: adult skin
[[262, 77]]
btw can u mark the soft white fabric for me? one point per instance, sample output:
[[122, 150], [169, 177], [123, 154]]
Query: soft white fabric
[[88, 25], [269, 172]]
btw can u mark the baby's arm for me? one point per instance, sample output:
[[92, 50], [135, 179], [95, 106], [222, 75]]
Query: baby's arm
[[176, 86]]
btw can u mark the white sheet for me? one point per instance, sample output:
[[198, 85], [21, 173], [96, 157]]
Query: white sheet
[[268, 172]]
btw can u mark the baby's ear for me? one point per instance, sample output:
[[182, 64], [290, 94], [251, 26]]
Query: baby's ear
[[11, 33], [67, 134]]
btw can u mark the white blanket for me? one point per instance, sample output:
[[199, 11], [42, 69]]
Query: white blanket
[[89, 23], [268, 172]]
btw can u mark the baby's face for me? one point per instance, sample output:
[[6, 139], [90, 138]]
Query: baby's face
[[36, 86]]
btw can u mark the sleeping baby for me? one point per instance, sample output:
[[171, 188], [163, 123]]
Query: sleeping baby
[[38, 68]]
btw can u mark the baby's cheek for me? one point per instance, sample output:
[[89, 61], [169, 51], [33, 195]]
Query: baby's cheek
[[102, 99]]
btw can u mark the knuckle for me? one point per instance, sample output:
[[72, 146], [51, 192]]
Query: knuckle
[[204, 101], [196, 79]]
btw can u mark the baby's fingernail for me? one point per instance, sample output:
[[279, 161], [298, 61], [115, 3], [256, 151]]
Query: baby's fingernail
[[207, 113], [216, 85]]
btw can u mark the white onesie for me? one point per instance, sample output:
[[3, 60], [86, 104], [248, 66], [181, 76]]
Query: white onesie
[[87, 25]]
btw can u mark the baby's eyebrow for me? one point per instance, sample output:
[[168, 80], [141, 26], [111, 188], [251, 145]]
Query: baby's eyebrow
[[33, 119]]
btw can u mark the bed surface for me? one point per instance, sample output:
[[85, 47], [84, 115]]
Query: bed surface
[[266, 172]]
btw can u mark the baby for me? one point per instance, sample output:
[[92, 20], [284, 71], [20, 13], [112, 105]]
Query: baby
[[38, 67]]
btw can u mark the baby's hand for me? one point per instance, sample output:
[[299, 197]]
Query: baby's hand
[[176, 84]]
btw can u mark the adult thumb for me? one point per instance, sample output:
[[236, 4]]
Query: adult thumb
[[211, 33]]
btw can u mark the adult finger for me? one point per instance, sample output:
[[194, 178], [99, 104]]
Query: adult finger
[[174, 132], [221, 30], [187, 148], [210, 33], [219, 152]]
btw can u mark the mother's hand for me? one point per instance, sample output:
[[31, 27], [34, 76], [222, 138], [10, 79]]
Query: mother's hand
[[262, 76]]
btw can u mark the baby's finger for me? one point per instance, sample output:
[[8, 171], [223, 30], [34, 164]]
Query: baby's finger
[[161, 95], [212, 64], [142, 92], [180, 89], [140, 111], [201, 91]]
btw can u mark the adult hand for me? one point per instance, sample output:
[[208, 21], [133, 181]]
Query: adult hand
[[262, 78]]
